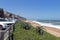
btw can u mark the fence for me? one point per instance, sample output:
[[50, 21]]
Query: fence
[[7, 34]]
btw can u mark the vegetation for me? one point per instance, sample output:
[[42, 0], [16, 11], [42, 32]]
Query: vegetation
[[31, 34]]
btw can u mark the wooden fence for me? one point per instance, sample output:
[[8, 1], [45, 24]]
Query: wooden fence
[[7, 33]]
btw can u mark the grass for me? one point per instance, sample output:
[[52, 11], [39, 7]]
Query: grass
[[31, 34]]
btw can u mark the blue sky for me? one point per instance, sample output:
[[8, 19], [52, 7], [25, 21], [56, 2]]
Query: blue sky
[[33, 9]]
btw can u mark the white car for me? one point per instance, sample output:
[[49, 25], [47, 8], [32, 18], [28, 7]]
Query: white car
[[4, 23]]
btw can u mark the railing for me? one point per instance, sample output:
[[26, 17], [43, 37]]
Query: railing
[[5, 34]]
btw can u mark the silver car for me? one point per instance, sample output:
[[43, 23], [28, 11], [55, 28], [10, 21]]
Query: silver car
[[4, 23]]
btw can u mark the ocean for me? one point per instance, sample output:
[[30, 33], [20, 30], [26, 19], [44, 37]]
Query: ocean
[[48, 23], [53, 22]]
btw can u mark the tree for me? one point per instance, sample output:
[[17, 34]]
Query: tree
[[1, 13]]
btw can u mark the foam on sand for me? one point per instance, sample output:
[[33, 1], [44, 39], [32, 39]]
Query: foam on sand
[[47, 24]]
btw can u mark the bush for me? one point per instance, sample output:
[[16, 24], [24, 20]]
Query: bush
[[22, 34]]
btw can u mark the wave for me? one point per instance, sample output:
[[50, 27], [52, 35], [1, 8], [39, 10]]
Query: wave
[[48, 24]]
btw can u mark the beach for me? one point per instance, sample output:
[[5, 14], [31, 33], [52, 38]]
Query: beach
[[54, 30]]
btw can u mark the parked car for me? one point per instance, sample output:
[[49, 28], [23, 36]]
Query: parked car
[[4, 23]]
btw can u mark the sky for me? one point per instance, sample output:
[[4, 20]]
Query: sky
[[33, 9]]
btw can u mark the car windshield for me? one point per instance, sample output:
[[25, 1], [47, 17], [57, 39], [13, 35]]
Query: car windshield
[[3, 20]]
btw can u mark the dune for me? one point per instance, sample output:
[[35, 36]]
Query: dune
[[52, 29]]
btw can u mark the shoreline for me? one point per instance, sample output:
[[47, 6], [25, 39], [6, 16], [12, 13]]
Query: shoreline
[[46, 24], [52, 29]]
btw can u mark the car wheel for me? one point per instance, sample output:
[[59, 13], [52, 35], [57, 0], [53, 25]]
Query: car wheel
[[0, 27]]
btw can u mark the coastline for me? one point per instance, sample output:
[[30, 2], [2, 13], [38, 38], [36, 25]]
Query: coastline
[[52, 29], [46, 24]]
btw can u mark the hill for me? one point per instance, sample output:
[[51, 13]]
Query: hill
[[6, 14], [31, 34]]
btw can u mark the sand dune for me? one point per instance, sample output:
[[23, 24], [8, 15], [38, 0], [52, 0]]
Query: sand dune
[[54, 30]]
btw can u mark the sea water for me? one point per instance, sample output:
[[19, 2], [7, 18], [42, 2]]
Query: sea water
[[51, 23]]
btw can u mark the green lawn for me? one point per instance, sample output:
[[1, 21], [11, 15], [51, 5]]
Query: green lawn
[[31, 34]]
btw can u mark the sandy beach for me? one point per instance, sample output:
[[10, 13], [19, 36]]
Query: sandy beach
[[50, 29]]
